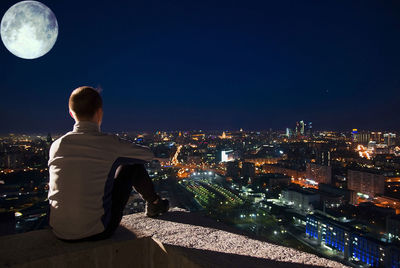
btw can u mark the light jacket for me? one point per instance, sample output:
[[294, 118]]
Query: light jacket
[[82, 166]]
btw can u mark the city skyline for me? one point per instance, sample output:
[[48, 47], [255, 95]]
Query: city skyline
[[205, 130], [226, 65], [336, 195]]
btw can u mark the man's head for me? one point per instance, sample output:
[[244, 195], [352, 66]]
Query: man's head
[[85, 104]]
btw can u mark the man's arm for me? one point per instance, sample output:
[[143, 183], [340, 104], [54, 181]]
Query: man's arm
[[131, 150], [52, 151]]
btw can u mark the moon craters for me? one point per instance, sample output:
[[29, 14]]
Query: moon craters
[[29, 29]]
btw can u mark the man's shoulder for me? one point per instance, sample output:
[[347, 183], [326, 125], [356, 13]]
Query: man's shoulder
[[106, 139], [72, 134], [60, 139]]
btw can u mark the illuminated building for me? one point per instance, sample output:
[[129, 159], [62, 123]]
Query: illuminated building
[[329, 232], [389, 139], [211, 156], [312, 227], [323, 157], [340, 236], [301, 199], [362, 137], [335, 236], [366, 183], [300, 128], [289, 132], [261, 161], [223, 136], [228, 155], [309, 129], [367, 250], [354, 134], [382, 149], [319, 173], [371, 145], [199, 136], [376, 136]]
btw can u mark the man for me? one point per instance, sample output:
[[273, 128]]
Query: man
[[92, 174]]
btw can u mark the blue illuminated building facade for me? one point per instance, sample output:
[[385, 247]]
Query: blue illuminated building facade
[[312, 227], [330, 233], [335, 237], [351, 244], [365, 250]]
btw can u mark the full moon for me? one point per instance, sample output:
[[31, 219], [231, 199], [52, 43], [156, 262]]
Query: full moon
[[29, 29]]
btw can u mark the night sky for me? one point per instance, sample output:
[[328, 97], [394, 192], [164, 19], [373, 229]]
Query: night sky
[[166, 65]]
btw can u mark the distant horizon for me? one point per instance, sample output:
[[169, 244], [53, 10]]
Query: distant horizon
[[153, 131]]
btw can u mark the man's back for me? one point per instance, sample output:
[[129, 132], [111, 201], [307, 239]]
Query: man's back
[[82, 165]]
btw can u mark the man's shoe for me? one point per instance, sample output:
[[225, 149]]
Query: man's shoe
[[153, 210]]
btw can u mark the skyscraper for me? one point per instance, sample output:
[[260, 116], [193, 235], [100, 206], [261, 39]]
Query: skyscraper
[[376, 136], [309, 129], [302, 127], [389, 139], [362, 137], [289, 132]]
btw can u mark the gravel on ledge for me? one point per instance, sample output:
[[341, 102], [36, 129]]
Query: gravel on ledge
[[193, 231]]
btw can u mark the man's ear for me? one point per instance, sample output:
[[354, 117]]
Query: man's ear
[[70, 113]]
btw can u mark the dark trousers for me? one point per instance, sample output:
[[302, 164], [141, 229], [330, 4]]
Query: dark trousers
[[126, 177]]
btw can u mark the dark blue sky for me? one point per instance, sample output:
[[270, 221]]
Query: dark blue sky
[[212, 65]]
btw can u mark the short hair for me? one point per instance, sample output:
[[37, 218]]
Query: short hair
[[84, 102]]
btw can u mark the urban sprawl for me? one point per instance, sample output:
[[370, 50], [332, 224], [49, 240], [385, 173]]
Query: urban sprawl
[[336, 194]]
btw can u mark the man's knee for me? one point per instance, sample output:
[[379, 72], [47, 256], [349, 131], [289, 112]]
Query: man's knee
[[126, 170]]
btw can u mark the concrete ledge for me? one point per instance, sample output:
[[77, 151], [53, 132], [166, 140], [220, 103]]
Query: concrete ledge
[[215, 244], [42, 249], [177, 239]]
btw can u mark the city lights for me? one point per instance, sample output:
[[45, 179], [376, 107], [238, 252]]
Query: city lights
[[300, 182]]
